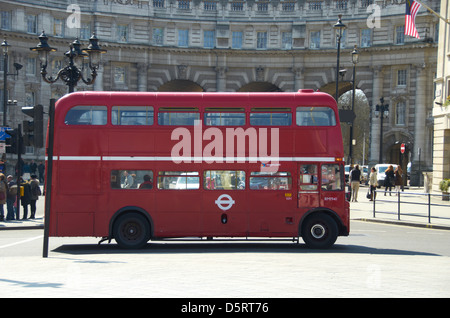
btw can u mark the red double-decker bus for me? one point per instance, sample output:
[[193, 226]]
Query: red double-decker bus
[[136, 167]]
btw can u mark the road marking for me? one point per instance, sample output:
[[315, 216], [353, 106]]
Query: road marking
[[21, 242]]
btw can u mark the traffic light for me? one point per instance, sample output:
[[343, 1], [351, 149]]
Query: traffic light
[[11, 142], [34, 130]]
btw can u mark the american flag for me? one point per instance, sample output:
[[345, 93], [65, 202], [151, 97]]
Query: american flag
[[412, 7]]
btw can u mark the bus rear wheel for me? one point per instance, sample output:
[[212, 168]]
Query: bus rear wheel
[[131, 231], [319, 231]]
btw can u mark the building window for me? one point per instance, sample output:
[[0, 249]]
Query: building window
[[210, 5], [184, 4], [183, 38], [262, 6], [58, 27], [237, 6], [32, 24], [286, 40], [341, 4], [5, 20], [315, 5], [31, 66], [209, 39], [236, 40], [85, 31], [315, 40], [288, 6], [400, 34], [261, 40], [119, 75], [158, 36], [400, 113], [158, 3], [401, 77], [122, 33], [366, 37]]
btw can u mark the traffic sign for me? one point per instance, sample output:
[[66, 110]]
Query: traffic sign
[[402, 148]]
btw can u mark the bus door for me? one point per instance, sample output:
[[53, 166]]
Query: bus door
[[332, 183], [271, 201], [308, 185], [224, 203]]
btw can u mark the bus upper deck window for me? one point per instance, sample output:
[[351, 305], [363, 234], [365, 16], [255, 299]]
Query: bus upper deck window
[[225, 117], [132, 115], [270, 117], [315, 116], [173, 116], [86, 115]]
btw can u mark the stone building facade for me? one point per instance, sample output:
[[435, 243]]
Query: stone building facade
[[258, 45], [441, 110]]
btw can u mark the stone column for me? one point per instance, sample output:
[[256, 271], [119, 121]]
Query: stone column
[[299, 78], [142, 76], [419, 127], [221, 80]]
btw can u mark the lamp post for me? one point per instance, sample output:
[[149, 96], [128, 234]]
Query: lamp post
[[5, 48], [383, 111], [72, 73], [355, 59], [339, 26]]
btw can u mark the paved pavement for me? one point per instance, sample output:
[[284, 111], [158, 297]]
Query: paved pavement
[[414, 213]]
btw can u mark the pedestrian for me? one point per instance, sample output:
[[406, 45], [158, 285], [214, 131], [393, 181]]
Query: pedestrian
[[25, 197], [3, 192], [35, 192], [355, 179], [11, 198], [373, 183], [389, 179], [398, 179], [41, 169]]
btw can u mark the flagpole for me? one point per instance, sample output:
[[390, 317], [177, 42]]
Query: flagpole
[[434, 12]]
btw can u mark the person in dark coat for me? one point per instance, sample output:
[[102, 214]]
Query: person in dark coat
[[389, 179]]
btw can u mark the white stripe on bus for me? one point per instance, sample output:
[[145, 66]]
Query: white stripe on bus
[[193, 159]]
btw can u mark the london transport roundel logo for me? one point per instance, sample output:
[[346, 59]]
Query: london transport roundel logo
[[225, 202]]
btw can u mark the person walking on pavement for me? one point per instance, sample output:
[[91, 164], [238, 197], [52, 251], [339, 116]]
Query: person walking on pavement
[[355, 178], [25, 199], [11, 198], [3, 192], [35, 192], [373, 183], [389, 180]]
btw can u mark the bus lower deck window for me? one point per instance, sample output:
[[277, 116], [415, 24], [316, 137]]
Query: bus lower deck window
[[270, 181], [223, 180], [131, 179], [178, 180]]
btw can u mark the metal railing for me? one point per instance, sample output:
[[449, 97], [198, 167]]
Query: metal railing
[[404, 201]]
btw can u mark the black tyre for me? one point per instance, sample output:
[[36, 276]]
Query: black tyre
[[132, 231], [319, 231]]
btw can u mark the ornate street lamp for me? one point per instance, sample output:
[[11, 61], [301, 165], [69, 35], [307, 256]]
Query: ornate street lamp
[[355, 59], [72, 73], [339, 26], [383, 111]]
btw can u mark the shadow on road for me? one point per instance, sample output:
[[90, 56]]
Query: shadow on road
[[189, 247]]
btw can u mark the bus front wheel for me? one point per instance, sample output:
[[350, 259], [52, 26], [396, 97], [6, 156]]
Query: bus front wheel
[[131, 231], [319, 231]]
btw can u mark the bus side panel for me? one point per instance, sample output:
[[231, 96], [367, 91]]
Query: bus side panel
[[75, 197]]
